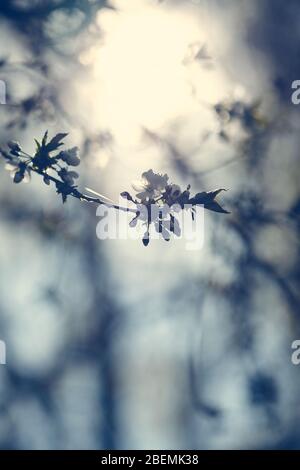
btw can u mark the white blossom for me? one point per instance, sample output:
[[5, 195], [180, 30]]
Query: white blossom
[[151, 185]]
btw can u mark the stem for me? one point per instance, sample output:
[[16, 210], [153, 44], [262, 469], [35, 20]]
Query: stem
[[83, 197], [26, 154]]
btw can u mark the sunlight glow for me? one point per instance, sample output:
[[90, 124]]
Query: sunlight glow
[[152, 67], [139, 68]]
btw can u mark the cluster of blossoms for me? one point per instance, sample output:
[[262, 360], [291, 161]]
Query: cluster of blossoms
[[157, 201], [47, 161]]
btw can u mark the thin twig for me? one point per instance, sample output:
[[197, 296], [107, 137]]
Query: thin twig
[[82, 197]]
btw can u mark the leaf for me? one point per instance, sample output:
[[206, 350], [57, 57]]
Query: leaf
[[55, 142], [215, 207], [44, 141], [205, 197], [38, 145], [214, 193]]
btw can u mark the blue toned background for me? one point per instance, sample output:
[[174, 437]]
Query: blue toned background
[[111, 345]]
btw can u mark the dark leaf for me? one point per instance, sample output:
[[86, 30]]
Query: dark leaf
[[215, 206], [213, 194], [55, 142], [44, 141], [38, 145], [205, 197]]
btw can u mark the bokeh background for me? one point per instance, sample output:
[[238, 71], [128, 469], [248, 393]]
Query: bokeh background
[[111, 345]]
